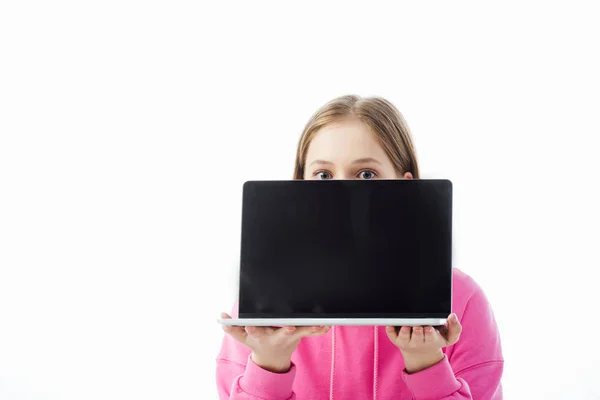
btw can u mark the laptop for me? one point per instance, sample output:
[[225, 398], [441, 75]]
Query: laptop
[[345, 252]]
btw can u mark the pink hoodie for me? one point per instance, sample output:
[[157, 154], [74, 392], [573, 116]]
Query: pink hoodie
[[362, 363]]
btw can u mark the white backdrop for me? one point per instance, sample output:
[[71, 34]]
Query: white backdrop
[[128, 127]]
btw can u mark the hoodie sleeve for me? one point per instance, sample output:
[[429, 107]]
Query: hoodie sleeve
[[472, 368], [239, 378], [245, 380]]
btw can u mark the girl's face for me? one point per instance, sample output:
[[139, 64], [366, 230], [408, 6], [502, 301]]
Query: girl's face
[[348, 150]]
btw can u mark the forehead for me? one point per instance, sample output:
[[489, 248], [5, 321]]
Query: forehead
[[344, 141]]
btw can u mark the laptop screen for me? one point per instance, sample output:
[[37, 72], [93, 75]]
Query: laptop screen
[[346, 249]]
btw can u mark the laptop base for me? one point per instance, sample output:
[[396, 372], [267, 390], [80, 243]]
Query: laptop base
[[279, 322]]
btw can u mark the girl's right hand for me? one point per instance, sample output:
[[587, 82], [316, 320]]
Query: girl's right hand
[[272, 348]]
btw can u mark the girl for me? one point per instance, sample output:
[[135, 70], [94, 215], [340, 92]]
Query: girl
[[365, 138]]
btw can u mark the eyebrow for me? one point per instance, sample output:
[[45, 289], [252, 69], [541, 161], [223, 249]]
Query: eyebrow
[[357, 161], [365, 160], [320, 162]]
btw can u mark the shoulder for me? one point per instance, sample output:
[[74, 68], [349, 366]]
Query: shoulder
[[480, 339], [466, 293]]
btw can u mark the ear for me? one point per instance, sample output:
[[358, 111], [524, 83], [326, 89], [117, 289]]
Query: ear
[[408, 175]]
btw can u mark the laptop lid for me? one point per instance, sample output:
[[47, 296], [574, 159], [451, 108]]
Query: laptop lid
[[346, 249]]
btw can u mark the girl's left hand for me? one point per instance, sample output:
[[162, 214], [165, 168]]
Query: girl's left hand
[[421, 346]]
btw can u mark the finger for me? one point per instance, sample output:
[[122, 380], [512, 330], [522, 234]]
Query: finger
[[417, 335], [453, 321], [391, 333], [319, 330], [305, 331], [237, 332], [226, 328], [454, 329], [291, 332], [259, 331], [404, 334], [430, 334], [442, 331]]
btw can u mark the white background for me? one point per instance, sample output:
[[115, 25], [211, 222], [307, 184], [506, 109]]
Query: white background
[[127, 129]]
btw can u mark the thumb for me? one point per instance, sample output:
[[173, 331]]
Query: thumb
[[391, 333], [454, 329]]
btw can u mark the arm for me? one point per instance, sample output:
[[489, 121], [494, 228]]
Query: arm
[[239, 378], [472, 368], [255, 363], [441, 383]]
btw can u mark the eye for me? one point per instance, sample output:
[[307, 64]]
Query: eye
[[322, 175], [367, 174]]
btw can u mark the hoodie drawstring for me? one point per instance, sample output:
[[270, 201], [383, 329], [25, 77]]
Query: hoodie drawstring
[[375, 362], [332, 363]]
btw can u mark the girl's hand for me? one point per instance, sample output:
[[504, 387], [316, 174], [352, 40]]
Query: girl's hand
[[421, 346], [272, 348]]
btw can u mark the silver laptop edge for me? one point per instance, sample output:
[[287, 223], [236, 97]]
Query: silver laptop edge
[[333, 321]]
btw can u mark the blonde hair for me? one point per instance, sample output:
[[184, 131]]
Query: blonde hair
[[384, 120]]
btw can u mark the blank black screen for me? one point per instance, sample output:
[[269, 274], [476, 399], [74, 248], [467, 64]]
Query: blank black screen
[[346, 249]]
